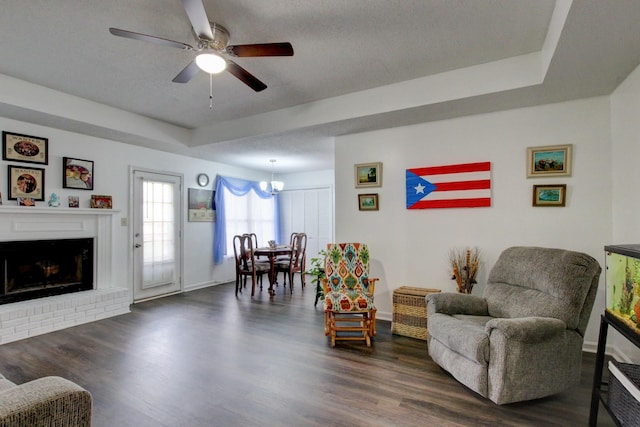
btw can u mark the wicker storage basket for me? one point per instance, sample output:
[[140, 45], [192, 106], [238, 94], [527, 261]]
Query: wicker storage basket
[[410, 312], [624, 393]]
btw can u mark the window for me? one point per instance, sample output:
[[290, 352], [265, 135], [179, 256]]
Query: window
[[242, 207], [249, 214]]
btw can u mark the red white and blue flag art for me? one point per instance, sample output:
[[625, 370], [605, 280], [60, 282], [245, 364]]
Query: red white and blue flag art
[[453, 186]]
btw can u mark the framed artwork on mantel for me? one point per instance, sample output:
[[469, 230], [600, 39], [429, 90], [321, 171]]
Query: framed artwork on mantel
[[25, 148], [77, 173], [26, 183]]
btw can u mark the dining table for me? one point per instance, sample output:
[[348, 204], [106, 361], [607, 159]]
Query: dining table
[[272, 252]]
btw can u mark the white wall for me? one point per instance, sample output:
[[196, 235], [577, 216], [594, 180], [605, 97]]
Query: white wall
[[306, 180], [410, 247], [112, 161], [625, 130]]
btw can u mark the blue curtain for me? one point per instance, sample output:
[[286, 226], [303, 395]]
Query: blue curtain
[[237, 187]]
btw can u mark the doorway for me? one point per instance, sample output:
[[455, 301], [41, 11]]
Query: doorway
[[157, 231]]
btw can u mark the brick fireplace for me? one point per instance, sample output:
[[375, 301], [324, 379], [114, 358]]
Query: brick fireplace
[[86, 274]]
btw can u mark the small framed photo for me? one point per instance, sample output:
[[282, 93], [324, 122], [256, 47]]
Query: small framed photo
[[549, 195], [368, 175], [74, 202], [25, 201], [552, 160], [26, 183], [77, 173], [25, 148], [101, 202], [368, 202]]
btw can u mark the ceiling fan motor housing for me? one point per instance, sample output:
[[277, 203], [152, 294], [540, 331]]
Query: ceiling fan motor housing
[[220, 38]]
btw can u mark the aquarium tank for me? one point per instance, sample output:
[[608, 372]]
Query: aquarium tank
[[623, 285]]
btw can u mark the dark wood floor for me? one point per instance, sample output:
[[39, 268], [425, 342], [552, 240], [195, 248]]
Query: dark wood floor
[[205, 358]]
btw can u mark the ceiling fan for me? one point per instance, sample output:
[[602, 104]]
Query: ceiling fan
[[213, 40]]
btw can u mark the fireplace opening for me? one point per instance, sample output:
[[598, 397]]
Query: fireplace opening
[[38, 268]]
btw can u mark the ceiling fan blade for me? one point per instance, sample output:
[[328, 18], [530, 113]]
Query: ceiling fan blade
[[151, 39], [246, 77], [263, 49], [198, 17], [187, 73]]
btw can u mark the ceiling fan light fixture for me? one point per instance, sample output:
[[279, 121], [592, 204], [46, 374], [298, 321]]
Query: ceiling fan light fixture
[[211, 63]]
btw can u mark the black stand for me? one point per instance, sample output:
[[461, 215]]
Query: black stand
[[596, 391]]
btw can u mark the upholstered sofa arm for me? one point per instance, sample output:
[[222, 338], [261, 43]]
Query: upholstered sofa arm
[[455, 303], [527, 329], [49, 401]]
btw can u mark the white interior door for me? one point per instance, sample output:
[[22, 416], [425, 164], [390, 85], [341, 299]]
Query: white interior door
[[309, 211], [157, 223]]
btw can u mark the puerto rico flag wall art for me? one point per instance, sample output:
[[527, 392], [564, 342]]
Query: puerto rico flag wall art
[[453, 186]]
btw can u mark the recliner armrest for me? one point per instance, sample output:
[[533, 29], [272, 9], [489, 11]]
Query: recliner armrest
[[50, 400], [455, 303], [527, 329]]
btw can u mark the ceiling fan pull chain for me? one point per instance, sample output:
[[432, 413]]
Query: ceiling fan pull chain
[[210, 92]]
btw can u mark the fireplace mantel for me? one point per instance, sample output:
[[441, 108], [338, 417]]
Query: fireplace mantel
[[26, 210], [35, 223]]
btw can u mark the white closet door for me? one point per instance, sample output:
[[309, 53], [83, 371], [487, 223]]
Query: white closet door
[[325, 219], [309, 211]]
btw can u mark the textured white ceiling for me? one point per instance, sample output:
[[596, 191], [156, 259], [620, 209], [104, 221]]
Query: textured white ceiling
[[341, 47]]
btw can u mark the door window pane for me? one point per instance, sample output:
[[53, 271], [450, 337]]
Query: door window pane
[[158, 233]]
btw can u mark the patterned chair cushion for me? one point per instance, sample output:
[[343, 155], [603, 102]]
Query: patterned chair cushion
[[348, 301], [347, 267]]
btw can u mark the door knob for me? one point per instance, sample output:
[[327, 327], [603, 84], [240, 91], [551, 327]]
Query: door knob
[[137, 245]]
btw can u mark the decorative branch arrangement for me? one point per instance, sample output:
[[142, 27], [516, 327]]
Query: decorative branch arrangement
[[464, 264]]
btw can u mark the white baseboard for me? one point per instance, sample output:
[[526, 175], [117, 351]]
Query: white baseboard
[[615, 352], [201, 285], [384, 315]]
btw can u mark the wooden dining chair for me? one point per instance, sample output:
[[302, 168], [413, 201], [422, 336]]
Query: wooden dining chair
[[295, 262], [284, 259], [254, 239], [254, 242], [246, 264]]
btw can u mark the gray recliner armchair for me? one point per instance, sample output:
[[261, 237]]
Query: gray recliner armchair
[[523, 338]]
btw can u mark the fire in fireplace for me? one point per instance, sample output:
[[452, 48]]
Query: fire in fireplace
[[38, 268]]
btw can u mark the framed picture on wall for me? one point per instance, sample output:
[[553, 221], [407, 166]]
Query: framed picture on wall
[[368, 175], [25, 148], [552, 160], [77, 173], [201, 205], [26, 183], [368, 202], [549, 195]]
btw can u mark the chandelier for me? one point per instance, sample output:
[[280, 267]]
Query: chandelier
[[275, 186]]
